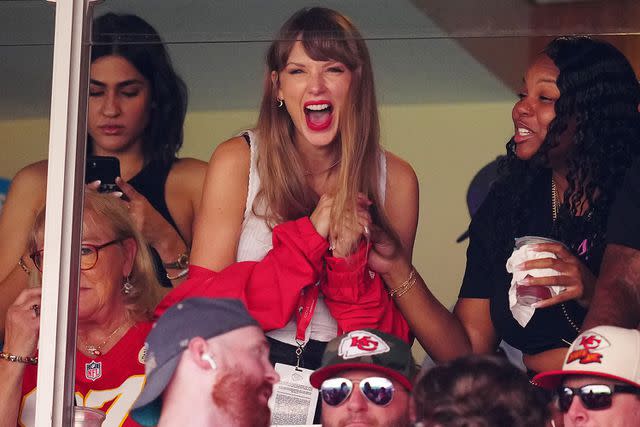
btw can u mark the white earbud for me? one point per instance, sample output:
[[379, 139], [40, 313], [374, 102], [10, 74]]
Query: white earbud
[[208, 358]]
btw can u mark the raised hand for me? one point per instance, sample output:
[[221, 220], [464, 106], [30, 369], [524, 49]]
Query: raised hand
[[353, 230], [321, 216], [146, 219], [22, 326]]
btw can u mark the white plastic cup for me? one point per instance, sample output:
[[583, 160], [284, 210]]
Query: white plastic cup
[[87, 417], [528, 295]]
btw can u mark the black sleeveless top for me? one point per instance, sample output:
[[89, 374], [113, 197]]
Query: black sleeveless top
[[150, 182]]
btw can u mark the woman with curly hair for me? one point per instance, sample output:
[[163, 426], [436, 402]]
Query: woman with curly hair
[[577, 131]]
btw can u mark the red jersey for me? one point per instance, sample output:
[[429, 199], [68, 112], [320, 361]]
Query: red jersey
[[110, 382]]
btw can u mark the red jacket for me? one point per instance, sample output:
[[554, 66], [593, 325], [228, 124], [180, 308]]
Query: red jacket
[[288, 279]]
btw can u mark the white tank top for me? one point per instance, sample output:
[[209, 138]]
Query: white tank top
[[255, 242]]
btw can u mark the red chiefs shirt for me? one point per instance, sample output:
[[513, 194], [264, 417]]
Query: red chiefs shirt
[[110, 382]]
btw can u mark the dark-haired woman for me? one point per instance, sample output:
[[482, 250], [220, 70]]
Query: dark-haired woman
[[137, 105], [314, 160], [577, 131]]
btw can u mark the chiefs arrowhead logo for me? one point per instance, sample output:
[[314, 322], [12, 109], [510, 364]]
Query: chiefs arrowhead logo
[[361, 343], [586, 349]]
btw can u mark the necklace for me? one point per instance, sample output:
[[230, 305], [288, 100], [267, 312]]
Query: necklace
[[96, 350], [333, 165], [554, 200], [554, 215]]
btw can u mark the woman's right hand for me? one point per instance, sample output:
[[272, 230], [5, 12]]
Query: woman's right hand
[[22, 326], [321, 216]]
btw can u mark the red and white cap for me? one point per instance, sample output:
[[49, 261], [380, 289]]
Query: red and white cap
[[604, 351]]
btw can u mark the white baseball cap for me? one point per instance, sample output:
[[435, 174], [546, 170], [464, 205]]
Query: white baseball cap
[[604, 351]]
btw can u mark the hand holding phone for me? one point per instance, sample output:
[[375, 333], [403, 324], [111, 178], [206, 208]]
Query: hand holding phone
[[105, 169]]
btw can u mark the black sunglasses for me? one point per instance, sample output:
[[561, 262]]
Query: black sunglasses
[[593, 396], [377, 390]]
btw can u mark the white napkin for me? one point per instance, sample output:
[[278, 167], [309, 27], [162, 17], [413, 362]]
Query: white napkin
[[524, 313]]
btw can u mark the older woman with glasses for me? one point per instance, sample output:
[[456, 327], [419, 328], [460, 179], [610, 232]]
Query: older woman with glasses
[[118, 291]]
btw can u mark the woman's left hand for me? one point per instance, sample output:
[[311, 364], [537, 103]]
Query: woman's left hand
[[573, 275], [353, 230], [155, 229]]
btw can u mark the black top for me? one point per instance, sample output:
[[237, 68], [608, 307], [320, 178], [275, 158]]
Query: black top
[[486, 276], [624, 220], [150, 182]]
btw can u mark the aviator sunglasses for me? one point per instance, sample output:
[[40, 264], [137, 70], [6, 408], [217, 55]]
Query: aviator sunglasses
[[593, 396], [377, 390]]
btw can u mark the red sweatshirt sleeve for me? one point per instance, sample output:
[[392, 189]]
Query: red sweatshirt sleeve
[[357, 298], [270, 288]]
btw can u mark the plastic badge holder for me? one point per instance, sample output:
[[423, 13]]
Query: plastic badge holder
[[87, 417], [528, 295]]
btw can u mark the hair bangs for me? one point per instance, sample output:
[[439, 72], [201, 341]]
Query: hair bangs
[[330, 46]]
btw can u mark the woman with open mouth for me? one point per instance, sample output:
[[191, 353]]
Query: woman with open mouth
[[314, 162], [576, 133]]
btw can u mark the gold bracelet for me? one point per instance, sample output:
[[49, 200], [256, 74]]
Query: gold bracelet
[[20, 359], [23, 266], [405, 286]]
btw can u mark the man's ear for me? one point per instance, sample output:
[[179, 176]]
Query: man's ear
[[199, 352]]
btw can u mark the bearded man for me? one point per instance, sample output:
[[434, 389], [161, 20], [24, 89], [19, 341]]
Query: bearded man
[[207, 365]]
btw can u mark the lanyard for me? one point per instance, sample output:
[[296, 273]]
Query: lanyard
[[307, 305]]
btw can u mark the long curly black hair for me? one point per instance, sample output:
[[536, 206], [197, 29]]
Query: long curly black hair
[[599, 95]]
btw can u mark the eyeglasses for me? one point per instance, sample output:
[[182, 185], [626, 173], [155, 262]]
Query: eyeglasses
[[593, 396], [377, 390], [88, 255]]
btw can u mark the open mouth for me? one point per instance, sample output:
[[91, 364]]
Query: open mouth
[[318, 114], [522, 133]]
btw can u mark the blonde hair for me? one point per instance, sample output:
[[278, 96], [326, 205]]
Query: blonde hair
[[325, 35], [105, 211]]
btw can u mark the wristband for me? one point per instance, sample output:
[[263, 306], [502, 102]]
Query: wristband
[[20, 359]]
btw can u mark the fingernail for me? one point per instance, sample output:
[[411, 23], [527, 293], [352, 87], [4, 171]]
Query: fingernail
[[96, 182], [117, 194]]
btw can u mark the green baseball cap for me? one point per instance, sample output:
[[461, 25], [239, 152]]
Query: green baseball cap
[[370, 350]]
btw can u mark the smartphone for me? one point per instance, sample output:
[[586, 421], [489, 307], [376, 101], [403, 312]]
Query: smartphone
[[103, 168]]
